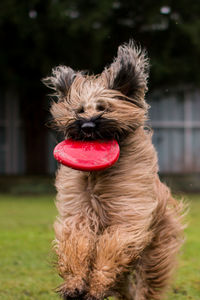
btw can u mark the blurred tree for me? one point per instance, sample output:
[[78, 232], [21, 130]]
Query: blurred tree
[[39, 34]]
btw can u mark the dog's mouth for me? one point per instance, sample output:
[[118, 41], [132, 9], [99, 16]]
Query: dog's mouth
[[89, 145], [94, 129]]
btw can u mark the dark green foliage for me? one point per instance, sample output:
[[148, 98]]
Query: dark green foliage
[[39, 34]]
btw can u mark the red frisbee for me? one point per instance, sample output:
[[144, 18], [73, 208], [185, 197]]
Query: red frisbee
[[87, 155]]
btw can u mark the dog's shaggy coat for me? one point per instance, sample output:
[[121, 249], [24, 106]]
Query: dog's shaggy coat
[[118, 230]]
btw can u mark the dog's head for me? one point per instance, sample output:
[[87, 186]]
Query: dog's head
[[106, 106]]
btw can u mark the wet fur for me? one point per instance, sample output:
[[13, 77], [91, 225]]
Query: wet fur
[[118, 230]]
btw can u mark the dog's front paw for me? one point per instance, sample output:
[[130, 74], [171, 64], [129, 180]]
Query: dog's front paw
[[76, 296], [97, 295], [92, 297], [99, 286], [73, 288]]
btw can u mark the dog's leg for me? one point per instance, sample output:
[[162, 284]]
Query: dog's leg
[[115, 250], [74, 247], [158, 261], [126, 287]]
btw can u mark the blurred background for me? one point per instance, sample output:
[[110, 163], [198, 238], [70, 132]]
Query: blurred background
[[37, 35]]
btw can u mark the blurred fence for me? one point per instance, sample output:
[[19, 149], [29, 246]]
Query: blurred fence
[[12, 151], [175, 118]]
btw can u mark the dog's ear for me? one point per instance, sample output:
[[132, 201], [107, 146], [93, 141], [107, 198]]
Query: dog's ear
[[61, 80], [129, 73]]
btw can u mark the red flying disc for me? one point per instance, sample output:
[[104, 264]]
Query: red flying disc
[[87, 155]]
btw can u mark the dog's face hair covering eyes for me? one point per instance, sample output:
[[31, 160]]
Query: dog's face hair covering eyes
[[106, 106]]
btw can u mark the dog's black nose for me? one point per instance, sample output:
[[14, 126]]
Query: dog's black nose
[[88, 127]]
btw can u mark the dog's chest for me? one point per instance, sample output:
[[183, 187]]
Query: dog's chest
[[95, 190]]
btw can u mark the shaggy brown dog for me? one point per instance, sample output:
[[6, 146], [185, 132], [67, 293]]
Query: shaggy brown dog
[[118, 230]]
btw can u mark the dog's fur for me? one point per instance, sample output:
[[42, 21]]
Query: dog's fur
[[118, 230]]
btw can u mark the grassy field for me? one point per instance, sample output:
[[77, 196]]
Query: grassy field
[[26, 270]]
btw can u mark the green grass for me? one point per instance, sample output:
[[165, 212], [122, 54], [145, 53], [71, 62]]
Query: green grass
[[26, 232], [187, 279], [25, 248]]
